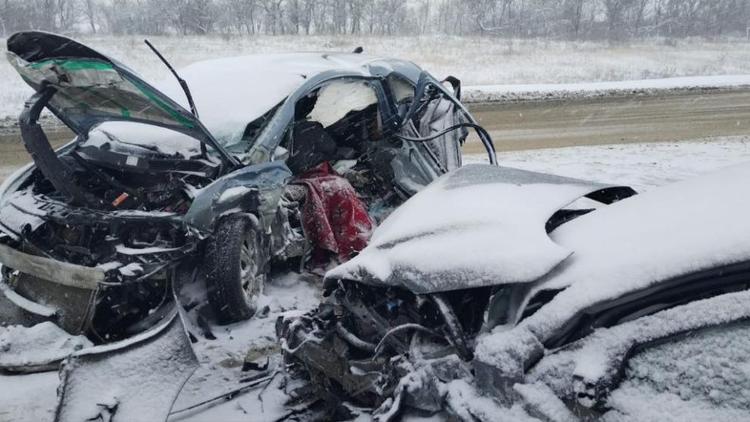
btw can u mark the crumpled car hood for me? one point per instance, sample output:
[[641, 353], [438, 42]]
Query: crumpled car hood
[[93, 88], [480, 225]]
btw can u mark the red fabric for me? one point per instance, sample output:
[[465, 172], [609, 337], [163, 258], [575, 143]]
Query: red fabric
[[334, 218]]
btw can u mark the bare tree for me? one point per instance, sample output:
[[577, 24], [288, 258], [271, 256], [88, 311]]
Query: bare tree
[[577, 19], [90, 11], [615, 11], [573, 14]]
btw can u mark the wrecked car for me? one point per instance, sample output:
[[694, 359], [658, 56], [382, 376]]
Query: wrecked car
[[92, 235], [496, 291], [436, 274], [653, 281]]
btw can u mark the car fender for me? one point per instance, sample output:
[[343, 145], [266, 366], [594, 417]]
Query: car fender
[[254, 189]]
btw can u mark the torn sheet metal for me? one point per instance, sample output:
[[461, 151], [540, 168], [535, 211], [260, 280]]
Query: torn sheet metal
[[134, 380], [38, 348]]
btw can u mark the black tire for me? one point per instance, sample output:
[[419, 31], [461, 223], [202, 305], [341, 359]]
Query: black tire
[[234, 269]]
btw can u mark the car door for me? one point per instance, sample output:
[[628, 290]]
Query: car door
[[419, 163], [435, 114]]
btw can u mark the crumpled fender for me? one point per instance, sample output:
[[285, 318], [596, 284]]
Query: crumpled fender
[[256, 189]]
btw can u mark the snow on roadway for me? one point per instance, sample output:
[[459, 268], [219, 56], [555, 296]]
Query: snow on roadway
[[491, 93], [6, 171], [32, 397], [638, 165]]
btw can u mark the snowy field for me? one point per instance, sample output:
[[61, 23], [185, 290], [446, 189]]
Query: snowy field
[[641, 166], [32, 397], [580, 90], [476, 61], [6, 171]]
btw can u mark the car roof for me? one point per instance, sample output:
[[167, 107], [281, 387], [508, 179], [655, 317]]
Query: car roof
[[231, 92]]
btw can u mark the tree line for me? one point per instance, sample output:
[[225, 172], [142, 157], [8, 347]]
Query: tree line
[[562, 19]]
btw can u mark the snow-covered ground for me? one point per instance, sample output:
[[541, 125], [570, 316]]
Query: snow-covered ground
[[6, 171], [32, 397], [638, 165], [526, 92], [475, 60]]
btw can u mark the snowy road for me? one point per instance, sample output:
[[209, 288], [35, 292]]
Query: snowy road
[[641, 166], [32, 397], [614, 120]]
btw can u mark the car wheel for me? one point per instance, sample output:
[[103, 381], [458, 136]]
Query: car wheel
[[234, 269]]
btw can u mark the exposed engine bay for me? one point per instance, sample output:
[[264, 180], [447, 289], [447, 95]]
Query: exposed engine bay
[[130, 226], [359, 345], [412, 303]]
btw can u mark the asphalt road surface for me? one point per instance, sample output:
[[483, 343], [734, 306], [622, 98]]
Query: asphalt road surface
[[560, 123], [614, 120]]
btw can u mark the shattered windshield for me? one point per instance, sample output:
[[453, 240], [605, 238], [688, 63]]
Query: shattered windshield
[[241, 146]]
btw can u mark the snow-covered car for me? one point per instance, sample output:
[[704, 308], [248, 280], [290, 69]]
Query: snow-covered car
[[93, 234], [510, 300], [436, 273]]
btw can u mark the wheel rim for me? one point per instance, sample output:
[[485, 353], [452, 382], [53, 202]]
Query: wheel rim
[[249, 265]]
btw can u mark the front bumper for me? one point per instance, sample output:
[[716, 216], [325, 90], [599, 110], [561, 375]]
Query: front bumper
[[64, 273], [78, 298], [36, 289]]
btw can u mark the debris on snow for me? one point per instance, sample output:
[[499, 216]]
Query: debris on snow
[[144, 376], [38, 348]]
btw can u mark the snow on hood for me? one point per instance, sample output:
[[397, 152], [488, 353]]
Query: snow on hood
[[479, 225], [37, 347], [125, 137], [664, 233], [232, 92]]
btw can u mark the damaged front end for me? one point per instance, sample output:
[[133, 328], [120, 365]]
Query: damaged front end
[[401, 318], [102, 272], [97, 273], [91, 234], [364, 340]]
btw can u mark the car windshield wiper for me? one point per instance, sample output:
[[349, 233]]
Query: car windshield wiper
[[182, 82]]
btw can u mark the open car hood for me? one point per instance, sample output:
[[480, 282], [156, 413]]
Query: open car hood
[[93, 88], [479, 225]]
